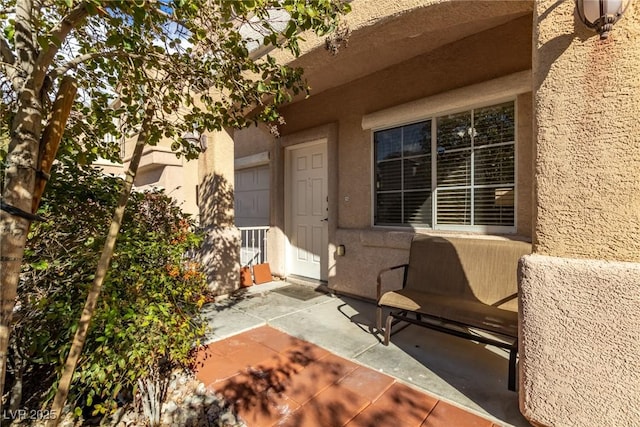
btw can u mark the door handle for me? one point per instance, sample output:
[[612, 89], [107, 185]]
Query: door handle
[[326, 219]]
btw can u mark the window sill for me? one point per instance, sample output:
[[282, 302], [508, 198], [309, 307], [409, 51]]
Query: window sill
[[476, 234]]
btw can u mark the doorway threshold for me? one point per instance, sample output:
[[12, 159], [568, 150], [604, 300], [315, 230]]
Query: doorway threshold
[[318, 285]]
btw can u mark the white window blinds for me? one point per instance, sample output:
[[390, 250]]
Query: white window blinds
[[470, 181]]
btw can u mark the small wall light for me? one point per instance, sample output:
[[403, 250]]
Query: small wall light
[[340, 250], [601, 15], [196, 138]]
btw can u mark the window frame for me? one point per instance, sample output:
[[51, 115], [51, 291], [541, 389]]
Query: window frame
[[433, 116], [402, 160]]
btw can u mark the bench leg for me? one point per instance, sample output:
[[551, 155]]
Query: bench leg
[[512, 367], [387, 330], [379, 319]]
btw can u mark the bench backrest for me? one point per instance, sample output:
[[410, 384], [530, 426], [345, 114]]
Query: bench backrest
[[468, 268]]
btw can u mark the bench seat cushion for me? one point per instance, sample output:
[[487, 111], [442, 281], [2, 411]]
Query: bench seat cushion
[[472, 313]]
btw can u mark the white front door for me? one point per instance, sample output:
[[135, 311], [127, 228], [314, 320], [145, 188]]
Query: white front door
[[308, 212]]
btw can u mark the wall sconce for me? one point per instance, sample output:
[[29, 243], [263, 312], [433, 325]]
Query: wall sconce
[[341, 250], [600, 15], [196, 138]]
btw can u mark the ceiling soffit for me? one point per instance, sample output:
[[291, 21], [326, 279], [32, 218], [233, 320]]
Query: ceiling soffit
[[393, 39]]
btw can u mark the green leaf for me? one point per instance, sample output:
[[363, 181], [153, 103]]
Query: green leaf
[[291, 29], [114, 39], [43, 41], [40, 265], [262, 87], [9, 30]]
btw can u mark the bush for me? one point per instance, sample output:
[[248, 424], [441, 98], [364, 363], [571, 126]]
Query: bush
[[147, 320]]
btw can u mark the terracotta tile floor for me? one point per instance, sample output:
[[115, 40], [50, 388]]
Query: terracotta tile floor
[[274, 379]]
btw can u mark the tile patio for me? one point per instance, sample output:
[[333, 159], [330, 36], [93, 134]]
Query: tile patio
[[287, 355], [274, 379]]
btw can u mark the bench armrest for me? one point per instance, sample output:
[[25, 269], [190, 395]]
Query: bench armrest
[[386, 270]]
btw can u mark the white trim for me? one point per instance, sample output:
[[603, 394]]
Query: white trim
[[434, 171], [490, 91], [516, 161], [253, 160], [315, 141], [324, 141], [434, 211], [104, 162]]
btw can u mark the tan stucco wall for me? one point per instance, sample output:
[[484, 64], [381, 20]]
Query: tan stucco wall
[[368, 252], [160, 167], [189, 190], [252, 140], [579, 313], [588, 137], [396, 31], [525, 166], [579, 344], [220, 254], [178, 178]]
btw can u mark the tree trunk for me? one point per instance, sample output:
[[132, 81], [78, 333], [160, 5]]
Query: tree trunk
[[17, 194], [52, 134], [15, 400], [101, 271], [28, 74], [23, 189]]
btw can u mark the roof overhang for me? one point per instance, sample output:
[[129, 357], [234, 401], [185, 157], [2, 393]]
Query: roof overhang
[[387, 33]]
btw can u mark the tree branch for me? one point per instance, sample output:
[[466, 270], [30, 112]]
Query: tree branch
[[7, 54], [101, 271], [58, 35], [57, 72], [9, 72]]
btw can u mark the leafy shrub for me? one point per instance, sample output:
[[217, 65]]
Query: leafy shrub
[[148, 314]]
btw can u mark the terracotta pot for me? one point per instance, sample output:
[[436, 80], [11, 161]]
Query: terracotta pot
[[245, 277]]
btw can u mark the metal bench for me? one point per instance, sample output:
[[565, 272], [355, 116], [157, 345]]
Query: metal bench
[[465, 287]]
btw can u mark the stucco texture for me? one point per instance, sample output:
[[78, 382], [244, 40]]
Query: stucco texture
[[588, 136], [579, 342], [385, 32], [252, 140], [368, 252], [220, 252]]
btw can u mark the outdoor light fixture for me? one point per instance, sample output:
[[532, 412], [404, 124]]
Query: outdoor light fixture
[[196, 138], [600, 15]]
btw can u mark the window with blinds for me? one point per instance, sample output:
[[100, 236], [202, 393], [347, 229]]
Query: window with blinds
[[455, 171]]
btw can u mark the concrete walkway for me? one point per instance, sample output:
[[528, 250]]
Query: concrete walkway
[[466, 374]]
